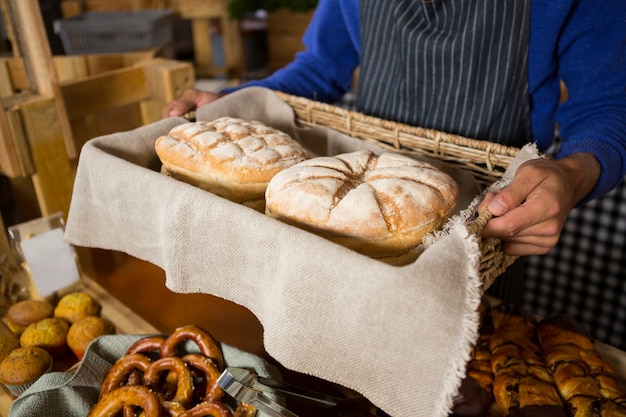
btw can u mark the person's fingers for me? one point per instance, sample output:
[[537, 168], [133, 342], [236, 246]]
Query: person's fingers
[[176, 109]]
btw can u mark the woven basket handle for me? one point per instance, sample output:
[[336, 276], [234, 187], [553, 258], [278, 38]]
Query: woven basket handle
[[477, 225], [493, 260]]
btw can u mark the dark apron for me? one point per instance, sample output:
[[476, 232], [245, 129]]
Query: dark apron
[[457, 66]]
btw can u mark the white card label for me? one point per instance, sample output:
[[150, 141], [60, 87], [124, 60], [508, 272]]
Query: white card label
[[51, 261]]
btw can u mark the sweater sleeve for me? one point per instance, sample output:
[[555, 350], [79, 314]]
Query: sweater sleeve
[[323, 70], [592, 54]]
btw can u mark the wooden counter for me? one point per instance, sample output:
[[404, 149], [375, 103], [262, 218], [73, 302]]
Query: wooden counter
[[134, 296]]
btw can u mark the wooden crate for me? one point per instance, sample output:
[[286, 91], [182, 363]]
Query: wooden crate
[[284, 36], [101, 94], [202, 15]]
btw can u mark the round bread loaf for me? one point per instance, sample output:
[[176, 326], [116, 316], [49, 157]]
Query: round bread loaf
[[230, 157], [378, 205]]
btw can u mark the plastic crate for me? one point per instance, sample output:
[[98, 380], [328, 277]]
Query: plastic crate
[[112, 32]]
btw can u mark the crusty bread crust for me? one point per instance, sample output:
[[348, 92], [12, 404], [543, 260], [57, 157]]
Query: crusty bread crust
[[378, 205], [230, 157]]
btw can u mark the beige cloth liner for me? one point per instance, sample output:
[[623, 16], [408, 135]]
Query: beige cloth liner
[[398, 335]]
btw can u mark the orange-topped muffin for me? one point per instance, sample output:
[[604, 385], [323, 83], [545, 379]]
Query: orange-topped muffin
[[49, 334], [7, 345], [24, 366], [23, 313], [75, 306], [86, 330]]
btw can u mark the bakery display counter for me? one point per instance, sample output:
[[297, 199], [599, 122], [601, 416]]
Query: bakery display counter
[[116, 289], [133, 296]]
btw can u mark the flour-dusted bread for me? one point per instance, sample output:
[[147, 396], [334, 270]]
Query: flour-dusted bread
[[378, 205], [230, 157]]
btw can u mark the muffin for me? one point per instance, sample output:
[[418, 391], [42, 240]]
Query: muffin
[[85, 330], [7, 345], [75, 306], [22, 367], [49, 334], [23, 313]]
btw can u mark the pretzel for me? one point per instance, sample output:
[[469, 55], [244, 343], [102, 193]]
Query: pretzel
[[213, 392], [203, 339], [146, 345], [244, 410], [172, 408], [122, 370], [184, 383], [208, 408], [125, 397]]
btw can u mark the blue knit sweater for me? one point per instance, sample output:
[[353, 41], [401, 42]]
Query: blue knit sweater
[[582, 42]]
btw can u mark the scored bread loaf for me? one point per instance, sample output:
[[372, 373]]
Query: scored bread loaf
[[378, 205], [230, 157]]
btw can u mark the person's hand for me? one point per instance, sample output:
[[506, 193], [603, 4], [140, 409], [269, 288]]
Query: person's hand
[[190, 100], [530, 212]]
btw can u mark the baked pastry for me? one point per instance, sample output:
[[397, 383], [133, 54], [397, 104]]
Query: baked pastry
[[8, 343], [77, 305], [522, 383], [49, 334], [230, 157], [86, 330], [378, 205], [21, 314], [587, 383], [24, 366]]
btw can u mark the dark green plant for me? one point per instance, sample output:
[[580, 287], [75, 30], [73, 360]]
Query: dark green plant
[[239, 9]]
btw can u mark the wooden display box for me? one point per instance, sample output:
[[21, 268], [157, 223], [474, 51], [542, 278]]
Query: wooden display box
[[99, 94]]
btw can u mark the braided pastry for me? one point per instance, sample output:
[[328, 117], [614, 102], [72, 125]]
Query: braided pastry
[[522, 383], [587, 383]]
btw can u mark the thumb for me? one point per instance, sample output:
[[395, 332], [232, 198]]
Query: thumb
[[507, 199]]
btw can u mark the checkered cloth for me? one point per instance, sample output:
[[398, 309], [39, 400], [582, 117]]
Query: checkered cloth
[[585, 274]]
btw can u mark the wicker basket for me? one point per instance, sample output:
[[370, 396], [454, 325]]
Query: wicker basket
[[486, 161]]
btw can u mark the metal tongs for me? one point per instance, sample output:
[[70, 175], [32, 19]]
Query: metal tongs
[[248, 387]]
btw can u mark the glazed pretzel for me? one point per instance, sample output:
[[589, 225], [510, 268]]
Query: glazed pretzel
[[122, 372], [203, 339], [213, 392], [128, 396], [184, 383], [147, 345], [244, 410], [208, 408], [172, 408]]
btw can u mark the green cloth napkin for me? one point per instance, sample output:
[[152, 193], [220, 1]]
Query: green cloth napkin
[[74, 394]]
